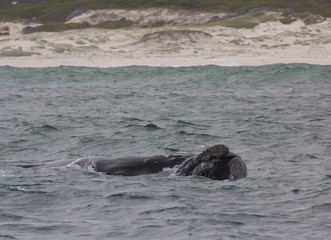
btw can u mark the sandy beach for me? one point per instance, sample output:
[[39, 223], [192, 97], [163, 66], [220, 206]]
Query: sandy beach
[[200, 44]]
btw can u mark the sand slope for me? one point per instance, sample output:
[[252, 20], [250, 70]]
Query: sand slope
[[267, 43]]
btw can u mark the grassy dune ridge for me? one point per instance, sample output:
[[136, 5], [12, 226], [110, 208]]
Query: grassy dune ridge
[[47, 11]]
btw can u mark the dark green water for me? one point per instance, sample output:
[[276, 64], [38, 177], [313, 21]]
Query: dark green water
[[277, 118]]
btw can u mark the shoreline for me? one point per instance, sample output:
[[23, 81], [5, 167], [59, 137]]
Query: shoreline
[[197, 45], [25, 62]]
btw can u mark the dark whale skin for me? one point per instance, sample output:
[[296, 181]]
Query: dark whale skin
[[134, 166]]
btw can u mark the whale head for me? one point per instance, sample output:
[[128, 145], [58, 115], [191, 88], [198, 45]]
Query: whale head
[[216, 162]]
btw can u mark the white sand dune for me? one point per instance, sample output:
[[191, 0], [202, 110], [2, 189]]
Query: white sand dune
[[171, 45]]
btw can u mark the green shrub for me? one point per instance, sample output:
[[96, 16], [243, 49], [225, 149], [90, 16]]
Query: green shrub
[[238, 24], [61, 47], [18, 52], [55, 27], [159, 24], [285, 14], [195, 31], [115, 24], [257, 14], [287, 20], [302, 15], [312, 19], [86, 48], [80, 42]]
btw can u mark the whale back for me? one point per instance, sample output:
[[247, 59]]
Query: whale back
[[134, 166]]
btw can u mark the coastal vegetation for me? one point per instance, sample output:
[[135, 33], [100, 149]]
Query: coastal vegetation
[[61, 26], [53, 15], [173, 35], [46, 11], [15, 52]]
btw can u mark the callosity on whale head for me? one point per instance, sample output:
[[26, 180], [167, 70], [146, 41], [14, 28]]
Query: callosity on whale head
[[216, 162]]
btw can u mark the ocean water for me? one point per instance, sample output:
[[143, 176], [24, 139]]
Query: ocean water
[[276, 117]]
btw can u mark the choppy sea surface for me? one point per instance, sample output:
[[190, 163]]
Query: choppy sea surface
[[276, 117]]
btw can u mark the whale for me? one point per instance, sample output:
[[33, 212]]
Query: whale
[[216, 163]]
